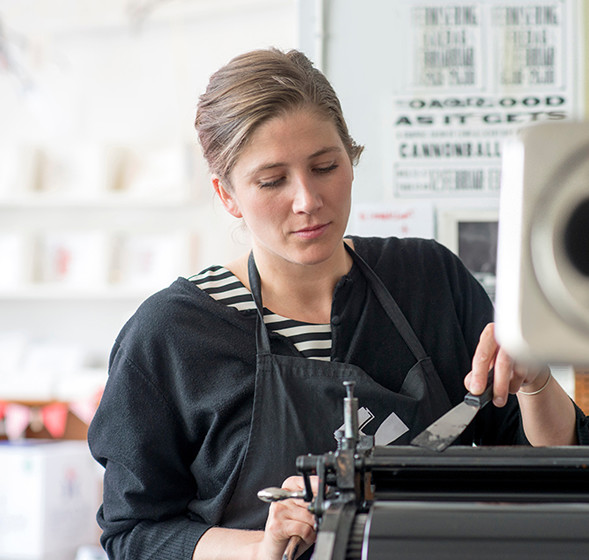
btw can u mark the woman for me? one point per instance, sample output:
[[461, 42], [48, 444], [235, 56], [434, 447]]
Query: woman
[[218, 383]]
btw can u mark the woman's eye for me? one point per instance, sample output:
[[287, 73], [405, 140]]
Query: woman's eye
[[270, 183], [326, 169]]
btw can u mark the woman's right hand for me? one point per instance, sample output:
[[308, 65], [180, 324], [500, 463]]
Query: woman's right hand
[[286, 519]]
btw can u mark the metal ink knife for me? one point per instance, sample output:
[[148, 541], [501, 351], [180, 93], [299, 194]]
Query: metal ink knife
[[439, 435]]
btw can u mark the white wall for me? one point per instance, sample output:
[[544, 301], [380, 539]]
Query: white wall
[[88, 72], [356, 58]]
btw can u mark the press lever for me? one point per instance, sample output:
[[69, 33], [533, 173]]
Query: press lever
[[274, 494]]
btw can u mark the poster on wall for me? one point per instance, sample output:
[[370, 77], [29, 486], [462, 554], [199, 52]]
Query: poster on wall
[[472, 74]]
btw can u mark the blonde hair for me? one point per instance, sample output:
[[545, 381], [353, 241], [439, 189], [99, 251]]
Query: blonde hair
[[253, 88]]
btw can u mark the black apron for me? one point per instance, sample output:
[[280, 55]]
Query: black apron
[[298, 405]]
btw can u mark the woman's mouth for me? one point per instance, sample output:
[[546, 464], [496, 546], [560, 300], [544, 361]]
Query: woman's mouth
[[311, 232]]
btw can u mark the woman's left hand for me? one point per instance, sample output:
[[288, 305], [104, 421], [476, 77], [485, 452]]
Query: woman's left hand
[[509, 377]]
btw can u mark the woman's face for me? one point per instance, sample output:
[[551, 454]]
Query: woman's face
[[292, 186]]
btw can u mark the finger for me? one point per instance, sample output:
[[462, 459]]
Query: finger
[[293, 483], [486, 350], [503, 376], [467, 380], [298, 482], [303, 531], [297, 510], [286, 520], [483, 360]]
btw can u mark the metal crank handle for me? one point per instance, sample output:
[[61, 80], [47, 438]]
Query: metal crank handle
[[274, 494]]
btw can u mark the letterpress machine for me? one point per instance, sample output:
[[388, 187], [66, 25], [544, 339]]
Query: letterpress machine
[[410, 503]]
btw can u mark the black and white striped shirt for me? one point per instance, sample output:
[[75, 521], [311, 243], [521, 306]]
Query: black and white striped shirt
[[311, 340]]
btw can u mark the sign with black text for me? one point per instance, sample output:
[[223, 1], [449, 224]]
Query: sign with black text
[[473, 74]]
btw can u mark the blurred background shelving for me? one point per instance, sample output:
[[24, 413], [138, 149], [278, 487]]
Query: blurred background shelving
[[104, 196]]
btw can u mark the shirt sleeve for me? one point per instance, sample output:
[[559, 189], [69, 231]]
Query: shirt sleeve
[[144, 513], [581, 426]]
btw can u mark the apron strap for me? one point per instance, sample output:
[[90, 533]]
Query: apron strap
[[390, 306], [380, 291], [262, 337]]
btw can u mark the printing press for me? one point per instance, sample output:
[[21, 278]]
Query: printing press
[[406, 502]]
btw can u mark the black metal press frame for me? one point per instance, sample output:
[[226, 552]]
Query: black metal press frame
[[407, 502]]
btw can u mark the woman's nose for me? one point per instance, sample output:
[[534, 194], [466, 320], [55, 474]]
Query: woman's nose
[[307, 198]]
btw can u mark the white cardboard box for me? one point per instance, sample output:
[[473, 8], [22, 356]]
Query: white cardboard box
[[49, 494]]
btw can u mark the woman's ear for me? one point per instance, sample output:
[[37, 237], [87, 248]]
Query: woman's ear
[[226, 198]]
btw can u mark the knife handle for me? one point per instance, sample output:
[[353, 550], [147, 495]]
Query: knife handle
[[485, 397]]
